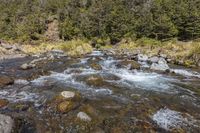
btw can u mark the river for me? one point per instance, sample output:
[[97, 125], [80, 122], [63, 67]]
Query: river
[[117, 99]]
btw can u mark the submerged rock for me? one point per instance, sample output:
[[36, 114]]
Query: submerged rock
[[5, 80], [95, 80], [65, 101], [65, 106], [6, 124], [83, 116]]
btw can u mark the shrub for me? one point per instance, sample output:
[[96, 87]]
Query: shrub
[[148, 42]]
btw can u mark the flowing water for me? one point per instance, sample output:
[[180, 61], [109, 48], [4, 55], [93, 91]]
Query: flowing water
[[119, 100]]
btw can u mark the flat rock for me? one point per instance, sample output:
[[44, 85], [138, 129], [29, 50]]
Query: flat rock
[[68, 94]]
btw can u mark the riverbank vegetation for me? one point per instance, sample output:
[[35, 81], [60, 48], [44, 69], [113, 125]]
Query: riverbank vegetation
[[28, 20], [72, 48]]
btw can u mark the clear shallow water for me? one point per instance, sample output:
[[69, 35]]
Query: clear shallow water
[[163, 101]]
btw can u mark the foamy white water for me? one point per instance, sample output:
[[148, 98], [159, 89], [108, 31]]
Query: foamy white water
[[14, 96], [170, 119], [186, 73]]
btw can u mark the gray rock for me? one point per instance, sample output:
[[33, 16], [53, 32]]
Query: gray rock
[[154, 59], [68, 94], [21, 82], [142, 57], [6, 124], [169, 60], [57, 52], [83, 116], [27, 66], [162, 61], [161, 65], [163, 56], [6, 46]]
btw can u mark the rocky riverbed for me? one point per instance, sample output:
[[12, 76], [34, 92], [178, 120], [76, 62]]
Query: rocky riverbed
[[98, 93]]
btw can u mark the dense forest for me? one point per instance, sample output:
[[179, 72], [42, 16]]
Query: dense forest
[[25, 20]]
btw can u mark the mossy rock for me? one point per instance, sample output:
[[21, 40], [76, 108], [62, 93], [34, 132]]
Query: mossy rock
[[130, 64], [5, 80], [3, 103], [95, 66], [65, 106]]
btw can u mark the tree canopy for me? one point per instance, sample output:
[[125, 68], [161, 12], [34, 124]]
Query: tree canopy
[[114, 19]]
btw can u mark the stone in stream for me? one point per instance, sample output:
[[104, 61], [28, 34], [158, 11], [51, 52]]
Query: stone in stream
[[160, 66], [65, 106], [3, 103], [27, 66], [69, 95], [83, 116], [142, 57], [96, 66], [95, 80], [66, 101], [57, 52], [21, 82], [130, 64], [5, 80], [154, 59], [6, 124]]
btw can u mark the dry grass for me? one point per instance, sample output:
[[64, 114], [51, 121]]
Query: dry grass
[[186, 52], [72, 48]]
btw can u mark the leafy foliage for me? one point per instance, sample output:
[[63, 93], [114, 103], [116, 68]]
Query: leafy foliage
[[26, 20]]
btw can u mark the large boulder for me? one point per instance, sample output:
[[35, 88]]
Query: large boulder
[[5, 80], [161, 65], [6, 124]]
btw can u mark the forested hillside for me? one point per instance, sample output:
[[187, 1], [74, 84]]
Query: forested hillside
[[25, 20]]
